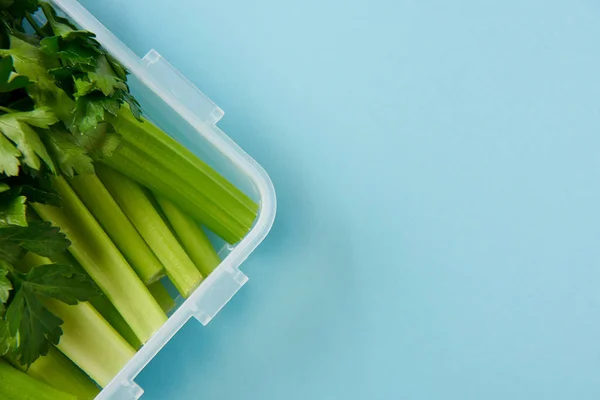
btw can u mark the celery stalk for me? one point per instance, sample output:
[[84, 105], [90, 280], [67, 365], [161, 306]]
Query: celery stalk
[[90, 342], [17, 385], [103, 305], [87, 339], [191, 236], [139, 167], [137, 206], [56, 370], [172, 155], [96, 253], [162, 297], [158, 209], [112, 316], [118, 227]]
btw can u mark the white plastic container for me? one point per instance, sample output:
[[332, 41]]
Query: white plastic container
[[174, 104]]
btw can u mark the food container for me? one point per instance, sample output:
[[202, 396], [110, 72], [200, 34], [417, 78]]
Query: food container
[[174, 104]]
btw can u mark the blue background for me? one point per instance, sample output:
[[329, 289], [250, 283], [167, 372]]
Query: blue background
[[437, 171]]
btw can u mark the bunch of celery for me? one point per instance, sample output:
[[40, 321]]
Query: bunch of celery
[[97, 205]]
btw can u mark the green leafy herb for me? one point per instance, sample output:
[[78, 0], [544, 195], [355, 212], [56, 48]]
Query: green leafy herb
[[35, 189], [10, 80], [8, 343], [20, 8], [90, 111], [71, 157], [13, 212], [16, 128], [9, 157], [27, 316], [62, 282], [38, 237], [36, 327], [5, 285]]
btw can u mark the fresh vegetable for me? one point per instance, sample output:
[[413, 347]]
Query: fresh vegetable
[[162, 296], [90, 342], [87, 339], [56, 370], [99, 257], [29, 328], [17, 385], [191, 236], [116, 320], [152, 158], [116, 224], [137, 206], [104, 306]]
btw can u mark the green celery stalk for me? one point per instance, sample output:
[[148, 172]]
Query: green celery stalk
[[116, 320], [56, 370], [144, 170], [103, 305], [206, 195], [153, 158], [146, 136], [191, 236], [90, 342], [137, 206], [158, 209], [103, 262], [162, 297], [17, 385], [87, 339], [118, 227]]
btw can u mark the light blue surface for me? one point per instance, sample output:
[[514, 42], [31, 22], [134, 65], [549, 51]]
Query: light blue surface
[[438, 172]]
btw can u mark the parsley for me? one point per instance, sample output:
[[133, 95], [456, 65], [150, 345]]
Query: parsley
[[27, 316], [39, 237], [12, 212], [10, 80], [5, 285]]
